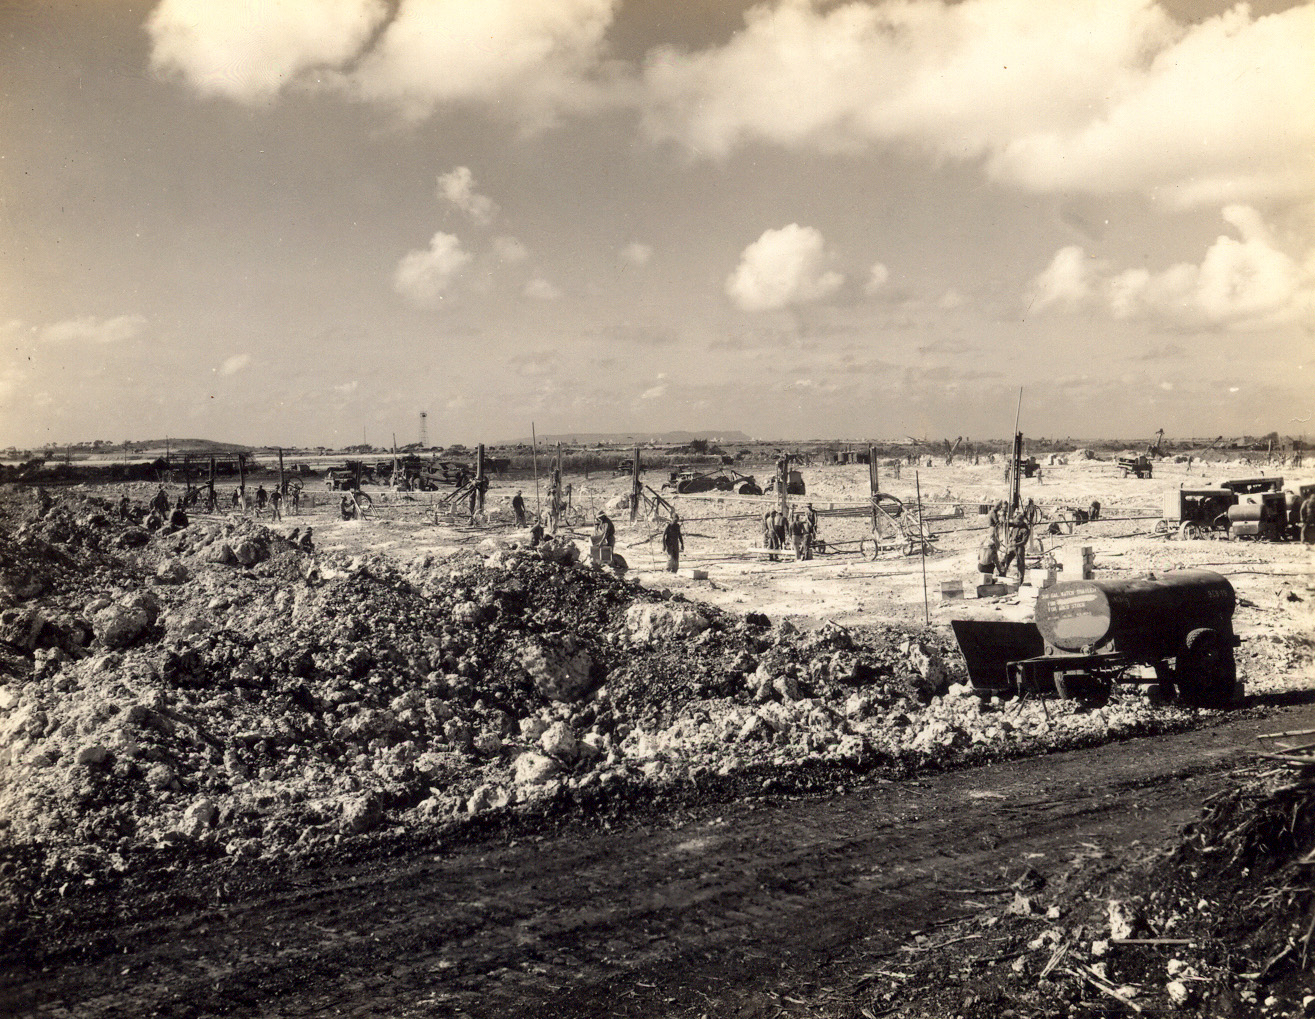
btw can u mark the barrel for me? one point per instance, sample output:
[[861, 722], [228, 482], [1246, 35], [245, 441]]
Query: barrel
[[1245, 511], [1148, 617]]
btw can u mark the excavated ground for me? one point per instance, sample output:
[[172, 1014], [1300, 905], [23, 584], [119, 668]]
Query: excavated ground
[[214, 718]]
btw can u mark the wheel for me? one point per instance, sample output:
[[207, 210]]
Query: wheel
[[1161, 527], [723, 484], [1206, 671], [889, 503], [749, 488], [867, 548], [1190, 530]]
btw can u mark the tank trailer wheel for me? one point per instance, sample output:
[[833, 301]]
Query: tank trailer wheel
[[1206, 672], [1161, 527], [1189, 530]]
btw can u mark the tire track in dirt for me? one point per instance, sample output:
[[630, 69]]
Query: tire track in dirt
[[645, 921]]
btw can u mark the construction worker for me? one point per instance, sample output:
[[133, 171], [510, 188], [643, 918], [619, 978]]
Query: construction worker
[[276, 505], [769, 535], [125, 507], [296, 499], [604, 538], [161, 502], [261, 498], [1308, 520], [1019, 534], [996, 518], [673, 543], [347, 507], [1093, 511], [810, 515], [988, 555], [799, 536], [518, 507]]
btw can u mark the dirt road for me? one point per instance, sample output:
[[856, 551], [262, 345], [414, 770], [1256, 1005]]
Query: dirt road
[[706, 913]]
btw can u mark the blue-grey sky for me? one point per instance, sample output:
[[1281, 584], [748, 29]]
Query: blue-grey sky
[[301, 221]]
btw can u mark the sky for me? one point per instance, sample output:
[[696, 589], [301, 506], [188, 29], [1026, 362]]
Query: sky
[[306, 222]]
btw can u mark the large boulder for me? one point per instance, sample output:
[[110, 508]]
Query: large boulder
[[560, 672], [535, 769], [117, 626], [655, 621]]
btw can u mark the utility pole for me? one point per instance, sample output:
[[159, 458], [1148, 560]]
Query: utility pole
[[634, 487], [873, 482]]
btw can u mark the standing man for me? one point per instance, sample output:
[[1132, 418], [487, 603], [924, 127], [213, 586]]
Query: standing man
[[604, 538], [276, 505], [161, 502], [261, 498], [988, 555], [1019, 533], [673, 543], [518, 507], [810, 515], [769, 535], [474, 501], [1308, 520]]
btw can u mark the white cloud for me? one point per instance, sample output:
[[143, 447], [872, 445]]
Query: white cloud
[[654, 392], [422, 276], [1067, 280], [510, 250], [529, 59], [1239, 284], [541, 290], [878, 275], [636, 253], [88, 329], [249, 50], [781, 268], [1099, 96], [347, 388], [950, 300], [234, 364], [458, 187]]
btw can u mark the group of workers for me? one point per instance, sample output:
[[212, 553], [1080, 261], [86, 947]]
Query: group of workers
[[801, 531]]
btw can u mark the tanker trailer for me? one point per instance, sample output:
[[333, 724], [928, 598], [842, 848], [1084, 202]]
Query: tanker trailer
[[1090, 634]]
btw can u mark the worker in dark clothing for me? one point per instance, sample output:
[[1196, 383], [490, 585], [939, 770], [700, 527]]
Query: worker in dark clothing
[[276, 505], [536, 533], [1093, 512], [237, 498], [261, 498], [673, 543], [474, 502], [306, 543], [125, 508], [1019, 534], [604, 530], [347, 508], [178, 518], [518, 507], [161, 502], [810, 515]]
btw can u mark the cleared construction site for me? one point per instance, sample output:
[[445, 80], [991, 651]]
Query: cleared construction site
[[445, 654]]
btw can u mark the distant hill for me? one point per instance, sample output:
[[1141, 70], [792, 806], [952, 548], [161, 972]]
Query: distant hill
[[719, 436]]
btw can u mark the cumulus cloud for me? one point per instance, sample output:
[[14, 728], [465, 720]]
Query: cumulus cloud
[[1243, 282], [458, 187], [88, 329], [636, 253], [510, 250], [878, 275], [781, 268], [526, 59], [541, 290], [234, 364], [249, 50], [1067, 281], [422, 276], [531, 59], [1099, 96]]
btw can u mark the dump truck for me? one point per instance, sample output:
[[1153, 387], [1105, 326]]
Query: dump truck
[[1174, 629]]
